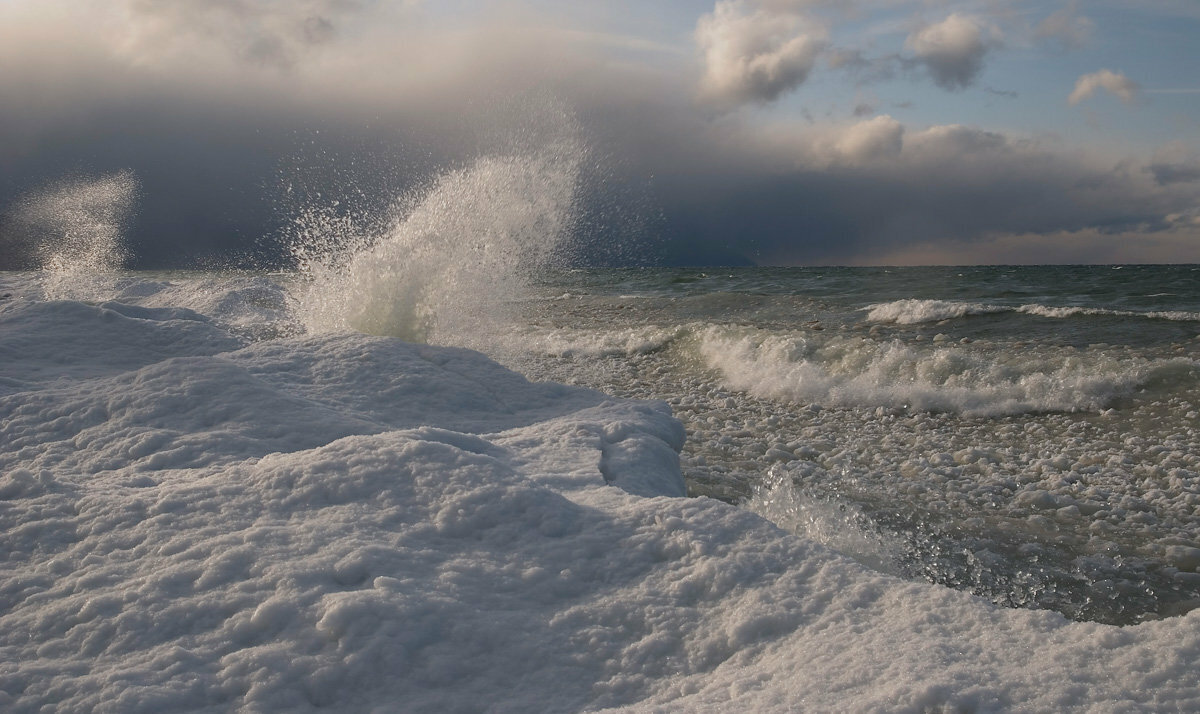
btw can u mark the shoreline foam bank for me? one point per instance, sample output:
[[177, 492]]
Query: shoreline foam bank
[[193, 522]]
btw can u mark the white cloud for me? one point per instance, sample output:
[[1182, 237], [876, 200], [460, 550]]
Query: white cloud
[[953, 49], [259, 32], [1117, 83], [755, 53], [876, 138], [949, 142], [1067, 26]]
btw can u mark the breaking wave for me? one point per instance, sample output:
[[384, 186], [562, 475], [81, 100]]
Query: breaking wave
[[76, 229], [914, 311], [451, 264], [859, 372]]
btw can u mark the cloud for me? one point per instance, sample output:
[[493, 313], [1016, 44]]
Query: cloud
[[1175, 163], [1175, 172], [947, 141], [380, 103], [1066, 26], [1093, 246], [866, 70], [953, 50], [755, 53], [874, 139], [269, 33], [950, 187], [1117, 83]]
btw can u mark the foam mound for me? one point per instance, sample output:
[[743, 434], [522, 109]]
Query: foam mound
[[192, 523]]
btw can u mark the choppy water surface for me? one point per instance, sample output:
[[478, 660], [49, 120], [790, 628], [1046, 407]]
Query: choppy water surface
[[1029, 434]]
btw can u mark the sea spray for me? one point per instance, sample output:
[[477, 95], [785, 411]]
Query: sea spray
[[75, 230], [455, 256], [837, 524]]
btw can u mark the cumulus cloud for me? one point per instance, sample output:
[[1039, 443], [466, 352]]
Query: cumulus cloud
[[1067, 27], [755, 53], [1117, 83], [876, 138], [953, 50], [947, 141]]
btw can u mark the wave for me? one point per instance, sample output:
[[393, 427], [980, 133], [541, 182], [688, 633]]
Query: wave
[[913, 311], [568, 342], [1065, 312], [450, 267], [826, 520], [380, 507], [75, 230], [859, 372]]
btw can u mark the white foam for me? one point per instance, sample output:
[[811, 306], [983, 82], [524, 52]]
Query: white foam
[[47, 341], [1066, 312], [912, 311], [250, 305], [355, 522], [972, 380], [567, 342]]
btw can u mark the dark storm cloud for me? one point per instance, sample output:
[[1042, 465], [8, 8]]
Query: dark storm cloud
[[1175, 163], [865, 192], [1168, 173], [359, 102]]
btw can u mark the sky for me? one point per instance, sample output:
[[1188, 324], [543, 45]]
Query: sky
[[771, 132]]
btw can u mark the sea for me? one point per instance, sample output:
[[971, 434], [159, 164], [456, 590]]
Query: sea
[[423, 464], [1030, 434]]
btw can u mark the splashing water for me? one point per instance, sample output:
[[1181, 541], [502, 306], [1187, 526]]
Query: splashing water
[[826, 520], [77, 229], [448, 268]]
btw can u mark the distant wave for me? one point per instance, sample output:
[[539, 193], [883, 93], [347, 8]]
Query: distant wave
[[566, 342], [1061, 312], [855, 372], [913, 311]]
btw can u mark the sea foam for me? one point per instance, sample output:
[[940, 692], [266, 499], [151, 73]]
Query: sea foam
[[352, 521], [915, 311], [972, 380]]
